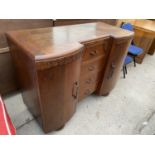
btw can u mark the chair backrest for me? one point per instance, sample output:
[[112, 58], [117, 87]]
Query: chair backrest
[[127, 26]]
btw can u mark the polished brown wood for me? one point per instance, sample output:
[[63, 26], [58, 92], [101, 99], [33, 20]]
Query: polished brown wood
[[94, 58], [118, 51], [8, 83], [144, 37], [60, 22], [7, 76], [152, 47], [16, 24], [59, 66]]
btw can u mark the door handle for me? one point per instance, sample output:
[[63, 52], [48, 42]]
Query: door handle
[[112, 69], [75, 90]]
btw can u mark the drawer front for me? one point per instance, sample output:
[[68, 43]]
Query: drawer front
[[89, 83], [90, 78], [87, 90], [94, 50], [92, 65]]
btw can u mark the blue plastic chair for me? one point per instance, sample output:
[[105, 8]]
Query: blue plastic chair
[[133, 50], [127, 60], [127, 26]]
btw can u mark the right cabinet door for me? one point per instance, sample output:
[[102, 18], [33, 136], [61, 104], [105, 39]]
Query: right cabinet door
[[114, 64]]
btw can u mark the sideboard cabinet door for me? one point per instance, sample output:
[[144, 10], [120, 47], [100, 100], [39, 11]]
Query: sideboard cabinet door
[[114, 65], [58, 88]]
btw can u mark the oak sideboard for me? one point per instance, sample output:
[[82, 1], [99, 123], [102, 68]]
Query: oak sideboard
[[59, 66], [8, 83]]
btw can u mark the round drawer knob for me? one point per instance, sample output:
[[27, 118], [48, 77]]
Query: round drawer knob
[[91, 68], [88, 81], [93, 53]]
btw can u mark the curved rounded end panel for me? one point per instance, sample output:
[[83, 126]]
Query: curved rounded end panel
[[119, 49], [58, 90]]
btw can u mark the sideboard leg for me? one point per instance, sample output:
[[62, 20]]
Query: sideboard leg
[[60, 128], [107, 94]]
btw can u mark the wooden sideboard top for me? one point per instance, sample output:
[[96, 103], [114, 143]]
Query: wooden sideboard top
[[62, 41], [147, 25]]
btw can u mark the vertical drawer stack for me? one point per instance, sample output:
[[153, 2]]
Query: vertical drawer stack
[[92, 65]]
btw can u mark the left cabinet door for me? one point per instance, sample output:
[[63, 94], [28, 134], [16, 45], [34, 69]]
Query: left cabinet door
[[58, 88]]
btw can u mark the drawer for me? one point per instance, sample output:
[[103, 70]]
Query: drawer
[[92, 65], [89, 79], [87, 90], [89, 83], [94, 50]]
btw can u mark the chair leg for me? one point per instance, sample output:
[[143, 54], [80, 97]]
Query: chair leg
[[134, 59], [124, 72], [125, 69]]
